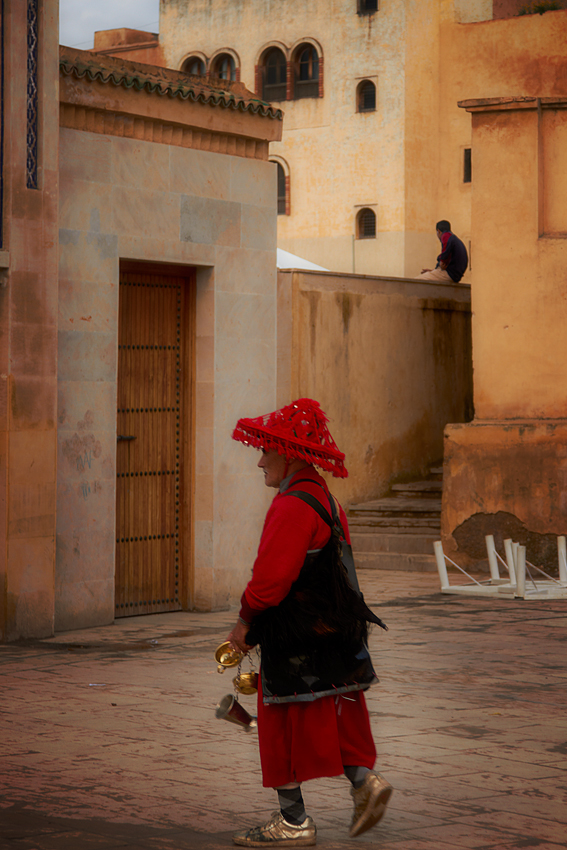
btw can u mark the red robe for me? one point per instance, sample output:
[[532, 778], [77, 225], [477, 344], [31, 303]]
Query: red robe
[[303, 740]]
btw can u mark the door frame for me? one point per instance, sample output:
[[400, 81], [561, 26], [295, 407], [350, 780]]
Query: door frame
[[187, 484]]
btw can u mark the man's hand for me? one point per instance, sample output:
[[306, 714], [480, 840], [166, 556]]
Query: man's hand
[[237, 637], [443, 265]]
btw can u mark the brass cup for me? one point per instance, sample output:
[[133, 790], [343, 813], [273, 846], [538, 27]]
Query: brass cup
[[226, 656], [246, 683]]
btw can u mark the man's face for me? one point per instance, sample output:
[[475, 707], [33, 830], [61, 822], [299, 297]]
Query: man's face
[[273, 465], [439, 235]]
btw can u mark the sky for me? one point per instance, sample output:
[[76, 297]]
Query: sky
[[78, 19]]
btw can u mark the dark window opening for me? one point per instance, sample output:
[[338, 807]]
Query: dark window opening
[[366, 224], [224, 67], [367, 7], [307, 73], [366, 97], [281, 191], [467, 165], [274, 75], [194, 65]]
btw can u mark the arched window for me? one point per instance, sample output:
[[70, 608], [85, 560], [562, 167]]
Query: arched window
[[367, 7], [282, 193], [366, 97], [274, 75], [224, 67], [193, 65], [306, 72], [283, 184], [366, 224]]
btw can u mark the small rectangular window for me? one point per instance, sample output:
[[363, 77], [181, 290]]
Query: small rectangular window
[[367, 7], [467, 165]]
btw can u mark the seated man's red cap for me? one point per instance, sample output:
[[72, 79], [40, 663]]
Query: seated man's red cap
[[298, 432]]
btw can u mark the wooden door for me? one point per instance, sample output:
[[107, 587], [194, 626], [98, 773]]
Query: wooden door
[[154, 443]]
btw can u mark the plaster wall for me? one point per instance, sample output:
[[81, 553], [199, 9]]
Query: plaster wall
[[389, 362], [505, 472], [28, 329], [519, 56], [520, 350], [132, 199]]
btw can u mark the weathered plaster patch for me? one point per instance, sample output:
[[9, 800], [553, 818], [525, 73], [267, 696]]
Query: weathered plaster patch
[[541, 549]]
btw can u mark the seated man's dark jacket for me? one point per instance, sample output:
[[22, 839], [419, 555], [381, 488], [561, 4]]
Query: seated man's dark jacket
[[455, 255]]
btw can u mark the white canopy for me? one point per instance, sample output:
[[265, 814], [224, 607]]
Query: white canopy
[[286, 260]]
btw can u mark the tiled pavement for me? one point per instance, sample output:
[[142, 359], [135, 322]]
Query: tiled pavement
[[108, 737]]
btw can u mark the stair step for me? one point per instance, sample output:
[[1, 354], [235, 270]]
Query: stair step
[[396, 505], [395, 561], [398, 531], [408, 544], [419, 488], [403, 525], [406, 525]]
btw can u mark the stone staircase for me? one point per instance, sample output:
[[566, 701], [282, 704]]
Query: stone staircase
[[397, 532]]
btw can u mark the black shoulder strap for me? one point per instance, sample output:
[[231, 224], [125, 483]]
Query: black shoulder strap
[[346, 549], [315, 503]]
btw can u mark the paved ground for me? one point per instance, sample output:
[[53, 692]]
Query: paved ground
[[108, 737]]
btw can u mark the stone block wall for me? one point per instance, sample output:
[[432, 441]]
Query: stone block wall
[[129, 199]]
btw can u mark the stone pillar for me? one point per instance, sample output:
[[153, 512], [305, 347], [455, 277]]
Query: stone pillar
[[28, 317], [506, 472]]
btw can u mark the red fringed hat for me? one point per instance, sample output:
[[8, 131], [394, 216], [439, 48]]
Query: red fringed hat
[[297, 431]]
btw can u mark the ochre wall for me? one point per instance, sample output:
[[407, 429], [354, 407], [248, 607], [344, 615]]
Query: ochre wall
[[28, 331], [520, 348], [506, 472], [134, 45], [389, 362], [519, 56]]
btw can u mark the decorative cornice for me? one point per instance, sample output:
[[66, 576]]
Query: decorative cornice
[[500, 104], [76, 117], [84, 65], [117, 97]]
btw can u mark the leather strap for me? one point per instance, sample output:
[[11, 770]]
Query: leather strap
[[346, 549]]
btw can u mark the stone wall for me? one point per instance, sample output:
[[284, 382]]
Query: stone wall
[[123, 198], [389, 360]]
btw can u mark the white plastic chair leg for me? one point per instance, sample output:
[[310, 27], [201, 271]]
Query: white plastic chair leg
[[562, 558], [521, 571], [441, 565], [492, 559], [510, 560]]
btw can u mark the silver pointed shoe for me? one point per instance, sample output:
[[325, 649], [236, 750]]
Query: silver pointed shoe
[[278, 831], [370, 801]]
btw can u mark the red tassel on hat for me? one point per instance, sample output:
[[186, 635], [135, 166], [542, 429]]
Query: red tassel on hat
[[297, 431]]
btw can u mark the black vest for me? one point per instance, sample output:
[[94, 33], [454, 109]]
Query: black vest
[[314, 643]]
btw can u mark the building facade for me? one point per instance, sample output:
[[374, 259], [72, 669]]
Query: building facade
[[374, 148], [138, 322]]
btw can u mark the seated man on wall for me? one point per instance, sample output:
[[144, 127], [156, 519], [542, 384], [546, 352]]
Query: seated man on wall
[[453, 260]]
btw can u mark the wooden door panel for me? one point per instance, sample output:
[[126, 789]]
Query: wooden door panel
[[153, 367]]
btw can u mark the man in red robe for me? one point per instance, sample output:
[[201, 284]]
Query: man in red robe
[[304, 608]]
